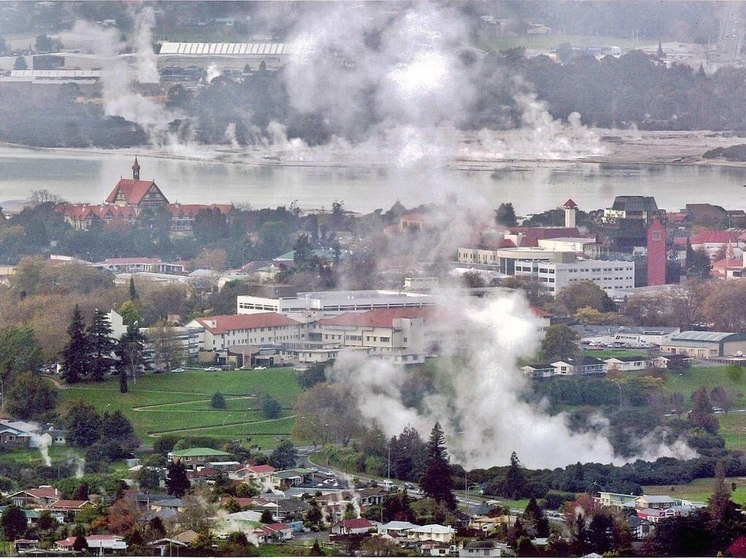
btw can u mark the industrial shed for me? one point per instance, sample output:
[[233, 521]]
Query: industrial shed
[[706, 345]]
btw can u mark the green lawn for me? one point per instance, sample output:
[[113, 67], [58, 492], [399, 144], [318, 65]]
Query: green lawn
[[179, 403], [699, 490]]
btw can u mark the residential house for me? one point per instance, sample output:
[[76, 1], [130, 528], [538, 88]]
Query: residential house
[[68, 508], [627, 363], [539, 370], [353, 526], [273, 533], [193, 458], [706, 345], [396, 529], [434, 532], [260, 474], [486, 548], [41, 496], [12, 437], [99, 544], [371, 496], [290, 478]]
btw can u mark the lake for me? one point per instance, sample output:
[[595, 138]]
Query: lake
[[80, 176]]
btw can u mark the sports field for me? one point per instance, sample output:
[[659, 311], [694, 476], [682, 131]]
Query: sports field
[[180, 404]]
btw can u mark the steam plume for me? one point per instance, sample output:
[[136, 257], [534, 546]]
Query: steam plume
[[478, 399]]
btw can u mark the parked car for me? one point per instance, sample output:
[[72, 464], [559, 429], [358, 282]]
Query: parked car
[[259, 368], [178, 370], [212, 368]]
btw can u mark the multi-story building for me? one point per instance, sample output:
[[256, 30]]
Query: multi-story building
[[396, 335], [313, 305], [267, 328], [612, 276]]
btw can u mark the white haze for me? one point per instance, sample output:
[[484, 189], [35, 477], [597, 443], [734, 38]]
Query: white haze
[[410, 77], [478, 399]]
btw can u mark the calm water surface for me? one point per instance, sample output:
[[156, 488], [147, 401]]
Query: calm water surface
[[531, 187]]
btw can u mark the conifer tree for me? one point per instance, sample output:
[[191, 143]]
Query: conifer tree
[[177, 482], [437, 482], [100, 345], [75, 355]]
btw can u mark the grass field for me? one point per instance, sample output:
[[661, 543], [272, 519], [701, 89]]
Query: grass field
[[732, 425], [180, 404], [699, 490]]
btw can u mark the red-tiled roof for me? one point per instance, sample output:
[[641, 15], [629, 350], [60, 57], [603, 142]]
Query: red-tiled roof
[[132, 190], [226, 323], [261, 469], [376, 318], [44, 492], [570, 204], [353, 523], [540, 313], [716, 237]]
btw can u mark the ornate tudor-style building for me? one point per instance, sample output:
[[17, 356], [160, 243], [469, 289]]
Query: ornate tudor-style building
[[127, 202]]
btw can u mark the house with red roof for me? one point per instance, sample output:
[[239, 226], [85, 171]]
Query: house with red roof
[[223, 331], [41, 496], [272, 533], [68, 508], [98, 544], [353, 526]]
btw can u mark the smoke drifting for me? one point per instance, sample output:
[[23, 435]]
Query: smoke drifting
[[478, 398]]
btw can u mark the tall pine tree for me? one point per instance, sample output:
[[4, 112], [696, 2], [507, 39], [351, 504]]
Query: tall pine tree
[[100, 345], [75, 362], [437, 482], [177, 482]]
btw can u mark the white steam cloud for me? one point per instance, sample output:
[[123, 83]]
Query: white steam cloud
[[42, 442], [478, 401], [394, 82]]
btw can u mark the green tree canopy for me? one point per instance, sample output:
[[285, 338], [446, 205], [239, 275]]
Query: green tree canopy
[[560, 342], [437, 482]]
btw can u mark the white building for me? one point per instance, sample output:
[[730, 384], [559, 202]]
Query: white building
[[610, 275], [313, 305]]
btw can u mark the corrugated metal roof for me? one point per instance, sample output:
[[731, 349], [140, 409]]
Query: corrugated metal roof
[[694, 335], [226, 49]]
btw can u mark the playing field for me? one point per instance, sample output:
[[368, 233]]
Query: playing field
[[180, 404]]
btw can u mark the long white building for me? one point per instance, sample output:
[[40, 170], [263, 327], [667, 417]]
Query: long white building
[[320, 304], [613, 276]]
